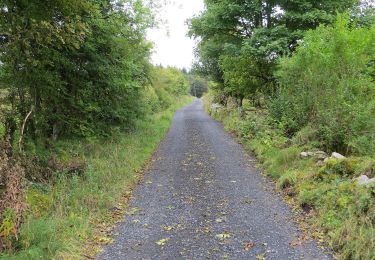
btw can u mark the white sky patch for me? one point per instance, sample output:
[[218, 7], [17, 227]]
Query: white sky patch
[[172, 46]]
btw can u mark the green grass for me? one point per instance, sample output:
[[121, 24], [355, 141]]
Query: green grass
[[2, 130], [343, 212], [63, 218]]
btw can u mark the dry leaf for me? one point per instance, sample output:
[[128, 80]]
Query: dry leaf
[[248, 246], [223, 236]]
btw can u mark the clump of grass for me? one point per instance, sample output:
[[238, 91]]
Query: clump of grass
[[277, 161], [288, 179], [2, 129]]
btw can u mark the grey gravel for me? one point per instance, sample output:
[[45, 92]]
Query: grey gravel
[[203, 198]]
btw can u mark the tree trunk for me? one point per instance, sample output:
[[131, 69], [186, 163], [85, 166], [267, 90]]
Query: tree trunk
[[269, 13]]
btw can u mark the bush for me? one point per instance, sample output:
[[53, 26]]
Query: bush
[[328, 84], [168, 83]]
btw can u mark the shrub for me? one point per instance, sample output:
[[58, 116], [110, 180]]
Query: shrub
[[327, 84]]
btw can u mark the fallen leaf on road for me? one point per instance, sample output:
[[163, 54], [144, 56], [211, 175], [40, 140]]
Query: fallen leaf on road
[[248, 246], [261, 257], [162, 242], [133, 211], [223, 236], [104, 240], [220, 220], [295, 243], [147, 226], [299, 241], [247, 201], [168, 228], [206, 230]]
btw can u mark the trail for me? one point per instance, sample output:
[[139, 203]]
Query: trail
[[203, 198]]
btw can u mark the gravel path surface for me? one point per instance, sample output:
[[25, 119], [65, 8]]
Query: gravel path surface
[[202, 198]]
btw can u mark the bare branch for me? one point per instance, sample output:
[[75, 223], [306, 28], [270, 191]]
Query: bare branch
[[23, 128]]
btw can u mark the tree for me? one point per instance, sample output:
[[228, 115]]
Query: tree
[[168, 83], [244, 77], [261, 31], [198, 85], [77, 66], [327, 84]]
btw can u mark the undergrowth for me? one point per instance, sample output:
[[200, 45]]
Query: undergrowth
[[62, 217], [337, 206]]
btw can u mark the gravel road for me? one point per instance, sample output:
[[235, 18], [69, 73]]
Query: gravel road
[[203, 198]]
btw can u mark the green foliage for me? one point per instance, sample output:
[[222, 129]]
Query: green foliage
[[345, 168], [343, 210], [167, 84], [328, 84], [79, 66], [8, 226], [198, 85], [240, 41], [239, 77], [306, 137], [287, 179], [39, 202]]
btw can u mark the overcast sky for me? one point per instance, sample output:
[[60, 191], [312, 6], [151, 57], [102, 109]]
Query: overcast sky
[[172, 46]]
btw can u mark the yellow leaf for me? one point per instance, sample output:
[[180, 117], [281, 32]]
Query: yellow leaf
[[162, 242], [223, 236]]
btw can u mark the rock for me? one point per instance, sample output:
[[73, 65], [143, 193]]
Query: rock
[[216, 107], [337, 156], [306, 154], [320, 155], [363, 180]]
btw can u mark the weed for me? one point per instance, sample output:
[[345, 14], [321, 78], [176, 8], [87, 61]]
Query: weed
[[288, 179]]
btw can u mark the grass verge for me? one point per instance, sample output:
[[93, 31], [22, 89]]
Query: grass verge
[[75, 211], [336, 209]]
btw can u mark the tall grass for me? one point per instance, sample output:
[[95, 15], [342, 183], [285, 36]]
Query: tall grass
[[62, 218]]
